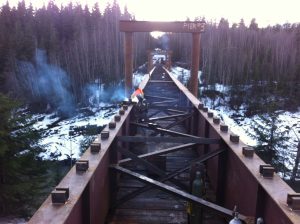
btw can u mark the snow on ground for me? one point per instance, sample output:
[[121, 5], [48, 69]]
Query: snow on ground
[[243, 126], [58, 140], [183, 75]]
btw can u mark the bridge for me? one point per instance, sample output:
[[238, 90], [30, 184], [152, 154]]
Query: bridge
[[144, 166]]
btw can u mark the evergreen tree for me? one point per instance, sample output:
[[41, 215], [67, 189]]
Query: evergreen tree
[[272, 138], [22, 173]]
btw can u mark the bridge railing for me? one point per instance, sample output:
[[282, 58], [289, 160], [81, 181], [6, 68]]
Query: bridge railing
[[234, 175], [239, 176]]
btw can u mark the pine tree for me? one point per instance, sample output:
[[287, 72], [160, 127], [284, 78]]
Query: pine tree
[[272, 138], [22, 173]]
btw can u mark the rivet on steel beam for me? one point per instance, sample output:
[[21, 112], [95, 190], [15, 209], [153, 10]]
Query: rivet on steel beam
[[121, 112], [248, 151], [125, 107], [82, 165], [117, 117], [210, 114], [216, 120], [95, 147], [112, 125], [60, 195], [223, 127], [234, 138], [293, 201], [104, 135], [200, 106], [205, 109], [267, 171]]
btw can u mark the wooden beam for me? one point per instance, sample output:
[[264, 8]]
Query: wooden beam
[[176, 27], [186, 196]]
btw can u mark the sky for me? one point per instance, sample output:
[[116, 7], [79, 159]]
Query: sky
[[266, 12]]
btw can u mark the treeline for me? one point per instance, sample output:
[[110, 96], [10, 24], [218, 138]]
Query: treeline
[[238, 54], [85, 43]]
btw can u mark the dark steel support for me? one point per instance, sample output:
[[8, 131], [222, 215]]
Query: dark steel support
[[170, 132], [221, 179], [159, 97], [182, 140], [195, 64], [170, 107], [150, 167], [153, 114], [128, 62], [177, 111], [160, 152], [167, 177], [162, 102], [178, 122], [186, 196], [87, 212], [260, 202]]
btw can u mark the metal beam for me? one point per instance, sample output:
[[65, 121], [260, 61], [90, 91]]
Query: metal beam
[[170, 132], [159, 97], [170, 107], [178, 122], [149, 166], [167, 177], [183, 140], [160, 152], [177, 27], [162, 102], [167, 117], [186, 196], [176, 111]]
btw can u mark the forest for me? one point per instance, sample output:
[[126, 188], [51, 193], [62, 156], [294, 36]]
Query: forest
[[81, 45]]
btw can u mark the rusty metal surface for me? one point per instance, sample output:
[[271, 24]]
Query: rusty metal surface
[[128, 54], [194, 88], [147, 26], [77, 183], [243, 185], [276, 189]]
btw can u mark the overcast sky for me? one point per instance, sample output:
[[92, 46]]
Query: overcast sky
[[265, 11]]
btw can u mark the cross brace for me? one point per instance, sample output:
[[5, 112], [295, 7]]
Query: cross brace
[[167, 177], [198, 140], [149, 166], [159, 152], [186, 196]]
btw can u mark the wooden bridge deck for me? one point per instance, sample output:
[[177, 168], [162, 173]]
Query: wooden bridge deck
[[155, 206]]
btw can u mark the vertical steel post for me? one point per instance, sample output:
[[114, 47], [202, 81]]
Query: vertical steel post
[[195, 64], [128, 63]]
